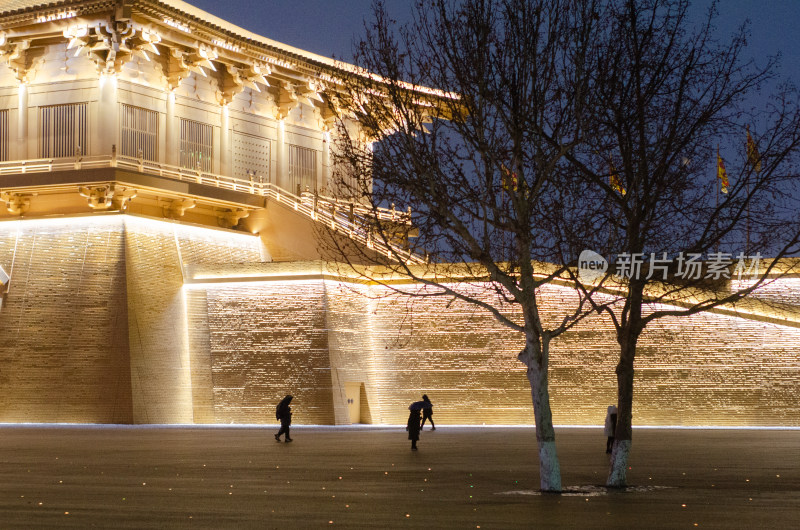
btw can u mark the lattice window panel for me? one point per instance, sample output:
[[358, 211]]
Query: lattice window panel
[[139, 132], [302, 169], [251, 158], [63, 130], [196, 145]]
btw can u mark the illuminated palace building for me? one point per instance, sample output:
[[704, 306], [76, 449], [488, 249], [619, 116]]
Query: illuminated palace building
[[161, 266]]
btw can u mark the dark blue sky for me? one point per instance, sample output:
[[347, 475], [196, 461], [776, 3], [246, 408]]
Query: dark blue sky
[[329, 27]]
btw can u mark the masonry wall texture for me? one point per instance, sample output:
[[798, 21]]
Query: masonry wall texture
[[706, 369], [266, 343], [64, 343], [352, 350], [94, 325], [102, 324]]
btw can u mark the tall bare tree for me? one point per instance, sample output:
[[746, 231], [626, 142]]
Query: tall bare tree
[[469, 158], [669, 103], [557, 126]]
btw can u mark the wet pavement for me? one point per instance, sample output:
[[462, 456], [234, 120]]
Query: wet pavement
[[367, 477]]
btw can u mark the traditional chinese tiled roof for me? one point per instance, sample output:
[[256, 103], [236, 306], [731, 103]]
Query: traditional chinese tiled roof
[[14, 6], [183, 11]]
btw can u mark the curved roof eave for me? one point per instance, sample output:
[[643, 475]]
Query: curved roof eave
[[204, 17], [198, 16]]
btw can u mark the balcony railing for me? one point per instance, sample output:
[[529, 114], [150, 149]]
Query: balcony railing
[[350, 218]]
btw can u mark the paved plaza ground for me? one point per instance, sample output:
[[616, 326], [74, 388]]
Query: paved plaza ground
[[350, 477]]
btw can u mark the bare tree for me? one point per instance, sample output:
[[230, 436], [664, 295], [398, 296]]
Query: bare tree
[[470, 159], [668, 105]]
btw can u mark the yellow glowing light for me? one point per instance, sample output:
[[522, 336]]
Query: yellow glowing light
[[225, 44], [177, 25], [56, 16]]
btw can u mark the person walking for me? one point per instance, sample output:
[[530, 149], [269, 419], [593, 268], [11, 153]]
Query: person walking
[[610, 427], [413, 426], [283, 413], [427, 412]]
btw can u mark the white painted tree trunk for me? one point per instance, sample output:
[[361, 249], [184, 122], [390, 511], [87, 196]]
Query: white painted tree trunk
[[619, 464], [549, 468], [623, 434]]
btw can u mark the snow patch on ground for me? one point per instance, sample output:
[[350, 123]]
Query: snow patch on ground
[[588, 491]]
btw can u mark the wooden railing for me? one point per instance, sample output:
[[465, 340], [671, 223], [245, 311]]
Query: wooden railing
[[353, 219]]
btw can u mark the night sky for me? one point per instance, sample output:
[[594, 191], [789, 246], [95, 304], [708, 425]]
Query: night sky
[[329, 27]]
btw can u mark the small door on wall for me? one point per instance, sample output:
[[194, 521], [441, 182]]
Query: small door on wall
[[352, 392]]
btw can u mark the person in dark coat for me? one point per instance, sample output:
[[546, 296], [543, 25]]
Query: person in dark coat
[[283, 413], [610, 427], [427, 412], [413, 423]]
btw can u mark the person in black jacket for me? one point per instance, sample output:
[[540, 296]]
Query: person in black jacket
[[427, 412], [610, 427], [283, 413], [413, 423]]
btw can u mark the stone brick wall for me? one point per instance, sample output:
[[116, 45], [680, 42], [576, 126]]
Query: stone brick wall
[[64, 338], [94, 325], [160, 376], [351, 349], [266, 342], [783, 290], [100, 325], [168, 375], [461, 357], [706, 369]]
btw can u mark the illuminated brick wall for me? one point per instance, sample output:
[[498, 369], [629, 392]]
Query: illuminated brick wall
[[162, 371], [161, 383], [702, 370], [266, 343], [352, 350], [784, 290], [718, 370], [101, 326], [94, 325], [64, 353], [462, 358], [705, 369]]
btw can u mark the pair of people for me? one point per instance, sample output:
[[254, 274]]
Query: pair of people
[[414, 424], [283, 413]]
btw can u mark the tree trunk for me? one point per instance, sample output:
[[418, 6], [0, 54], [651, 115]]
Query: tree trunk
[[549, 468], [623, 435]]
